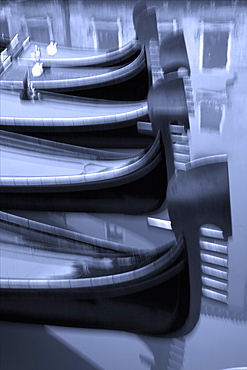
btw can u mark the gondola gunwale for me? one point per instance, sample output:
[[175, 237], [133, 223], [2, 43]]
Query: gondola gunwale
[[45, 146], [87, 181], [166, 263], [46, 231], [80, 123], [107, 284], [118, 75], [114, 196], [107, 58]]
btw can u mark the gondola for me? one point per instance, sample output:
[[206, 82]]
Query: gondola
[[85, 281], [57, 113], [171, 306], [70, 120], [55, 177], [97, 82], [92, 277], [167, 58], [76, 57], [75, 120], [135, 186]]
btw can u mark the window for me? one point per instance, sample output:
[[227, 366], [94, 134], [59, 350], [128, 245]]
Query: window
[[107, 34], [215, 49], [211, 114], [211, 109], [215, 46], [164, 28], [38, 29], [114, 232], [107, 38]]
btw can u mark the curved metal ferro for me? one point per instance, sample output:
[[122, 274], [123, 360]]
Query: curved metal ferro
[[146, 27], [173, 53], [166, 105], [147, 34], [139, 7], [199, 195]]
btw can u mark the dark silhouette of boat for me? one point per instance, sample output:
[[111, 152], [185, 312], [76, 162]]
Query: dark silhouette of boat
[[173, 53], [165, 58]]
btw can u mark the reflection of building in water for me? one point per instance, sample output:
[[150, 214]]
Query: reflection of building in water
[[216, 27], [167, 353], [211, 109], [114, 232], [90, 24]]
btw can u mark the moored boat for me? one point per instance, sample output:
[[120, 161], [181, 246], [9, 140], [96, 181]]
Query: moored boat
[[81, 271], [54, 112], [74, 279], [55, 177], [87, 81], [95, 185], [63, 56], [75, 120]]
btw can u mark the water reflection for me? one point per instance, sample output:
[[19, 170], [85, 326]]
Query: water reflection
[[214, 336], [99, 274], [93, 349], [84, 251], [26, 253]]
